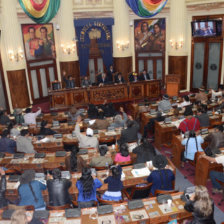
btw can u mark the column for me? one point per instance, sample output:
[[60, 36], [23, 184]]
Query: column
[[121, 36], [67, 46], [13, 57], [177, 41]]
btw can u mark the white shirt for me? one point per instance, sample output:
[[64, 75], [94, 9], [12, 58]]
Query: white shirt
[[30, 118], [215, 94], [184, 104], [220, 160]]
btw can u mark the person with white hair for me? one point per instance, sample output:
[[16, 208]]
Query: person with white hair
[[118, 120], [88, 140]]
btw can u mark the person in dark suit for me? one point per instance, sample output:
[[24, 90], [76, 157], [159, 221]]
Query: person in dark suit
[[102, 79], [69, 81], [119, 78], [133, 77], [110, 73], [131, 133], [144, 76]]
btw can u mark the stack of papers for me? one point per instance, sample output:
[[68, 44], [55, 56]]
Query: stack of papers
[[140, 172]]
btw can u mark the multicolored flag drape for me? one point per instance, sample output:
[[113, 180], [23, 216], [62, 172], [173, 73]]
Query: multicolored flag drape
[[40, 12], [146, 8]]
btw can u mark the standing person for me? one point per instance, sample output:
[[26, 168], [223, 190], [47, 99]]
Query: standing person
[[162, 177], [58, 189], [24, 142], [30, 117], [30, 190], [3, 200], [115, 185], [201, 206], [110, 73], [6, 144], [87, 186]]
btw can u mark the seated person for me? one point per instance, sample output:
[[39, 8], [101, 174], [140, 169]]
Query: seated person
[[203, 117], [119, 122], [69, 81], [102, 79], [133, 77], [58, 189], [92, 111], [102, 160], [161, 178], [144, 76], [201, 206], [86, 82], [201, 96], [214, 94], [107, 108], [30, 117], [145, 152], [56, 85], [165, 104], [119, 78], [192, 145], [24, 142], [115, 185], [44, 130], [190, 123], [74, 113], [131, 133], [73, 162], [88, 140], [123, 155], [216, 175], [6, 144], [151, 124], [87, 186], [3, 200], [4, 119], [19, 216], [215, 140], [18, 116], [30, 190], [100, 123], [186, 102], [13, 129]]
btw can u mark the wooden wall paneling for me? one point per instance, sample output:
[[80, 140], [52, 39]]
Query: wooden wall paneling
[[71, 67], [178, 65], [123, 65], [18, 88], [136, 90], [48, 78]]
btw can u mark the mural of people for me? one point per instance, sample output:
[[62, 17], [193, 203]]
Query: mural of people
[[38, 41], [150, 35]]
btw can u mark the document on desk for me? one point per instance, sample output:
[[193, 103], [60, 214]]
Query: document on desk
[[110, 133], [12, 185], [140, 172], [72, 221], [139, 215], [106, 219], [167, 209]]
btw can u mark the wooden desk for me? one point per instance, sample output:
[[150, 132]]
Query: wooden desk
[[61, 117], [29, 162], [153, 213]]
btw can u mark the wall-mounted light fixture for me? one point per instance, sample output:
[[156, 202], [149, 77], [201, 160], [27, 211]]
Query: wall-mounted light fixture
[[69, 48], [16, 56], [122, 45], [177, 44]]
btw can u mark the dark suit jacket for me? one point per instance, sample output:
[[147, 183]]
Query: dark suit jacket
[[142, 78], [130, 134], [110, 75], [131, 77], [100, 80], [69, 83], [118, 81]]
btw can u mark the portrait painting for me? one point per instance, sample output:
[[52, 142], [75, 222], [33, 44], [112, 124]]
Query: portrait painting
[[150, 35], [38, 41]]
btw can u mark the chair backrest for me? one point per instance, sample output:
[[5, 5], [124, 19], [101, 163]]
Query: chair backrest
[[138, 192], [128, 163], [105, 202], [26, 207], [100, 167], [49, 207], [157, 191]]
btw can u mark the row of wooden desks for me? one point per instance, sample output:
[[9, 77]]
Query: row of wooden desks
[[151, 212]]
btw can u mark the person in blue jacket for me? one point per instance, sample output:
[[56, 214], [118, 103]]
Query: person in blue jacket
[[87, 186], [162, 177]]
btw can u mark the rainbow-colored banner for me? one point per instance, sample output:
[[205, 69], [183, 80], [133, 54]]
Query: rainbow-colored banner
[[40, 12], [146, 8]]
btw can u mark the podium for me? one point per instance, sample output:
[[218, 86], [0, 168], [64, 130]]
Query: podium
[[172, 85]]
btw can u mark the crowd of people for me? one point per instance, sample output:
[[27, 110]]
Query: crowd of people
[[161, 177]]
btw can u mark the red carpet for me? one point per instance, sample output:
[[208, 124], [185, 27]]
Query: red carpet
[[189, 171]]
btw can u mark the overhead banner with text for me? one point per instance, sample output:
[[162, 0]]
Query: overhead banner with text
[[94, 38]]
